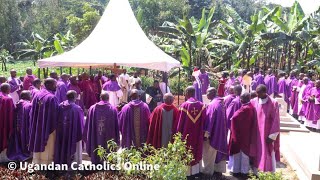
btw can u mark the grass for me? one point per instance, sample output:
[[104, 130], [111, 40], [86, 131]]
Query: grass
[[21, 66]]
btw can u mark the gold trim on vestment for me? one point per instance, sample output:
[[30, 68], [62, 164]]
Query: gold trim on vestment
[[194, 120]]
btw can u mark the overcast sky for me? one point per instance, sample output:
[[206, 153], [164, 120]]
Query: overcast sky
[[308, 6]]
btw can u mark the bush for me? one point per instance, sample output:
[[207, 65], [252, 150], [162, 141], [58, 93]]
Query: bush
[[172, 161], [146, 82], [174, 85]]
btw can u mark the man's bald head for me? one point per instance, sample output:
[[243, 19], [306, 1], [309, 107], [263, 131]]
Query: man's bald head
[[211, 93], [237, 90], [25, 95], [190, 92], [168, 99], [231, 90], [36, 83], [50, 84], [64, 76], [104, 96], [5, 88], [72, 95], [134, 94], [262, 91], [245, 98], [13, 73]]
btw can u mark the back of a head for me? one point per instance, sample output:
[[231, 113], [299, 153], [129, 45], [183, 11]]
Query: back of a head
[[25, 95], [36, 82], [237, 90], [49, 82], [245, 98], [72, 95], [168, 99], [261, 88], [134, 94], [190, 92], [104, 96], [253, 94], [5, 88]]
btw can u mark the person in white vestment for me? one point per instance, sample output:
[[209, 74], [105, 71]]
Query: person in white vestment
[[124, 84]]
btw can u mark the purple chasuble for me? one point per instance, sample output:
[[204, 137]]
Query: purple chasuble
[[19, 141], [27, 81], [43, 119], [234, 106], [127, 117], [204, 79], [69, 132], [33, 90], [191, 119], [305, 96], [216, 126], [271, 83], [228, 99], [313, 110], [257, 80], [198, 88], [101, 126], [229, 83], [268, 122], [13, 84], [282, 88], [61, 92], [111, 86], [77, 89]]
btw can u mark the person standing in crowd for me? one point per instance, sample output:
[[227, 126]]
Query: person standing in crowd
[[198, 87], [113, 89], [258, 78], [191, 119], [19, 141], [6, 120], [89, 92], [134, 121], [222, 83], [230, 82], [101, 126], [163, 122], [215, 150], [124, 84], [155, 95], [73, 85], [16, 86], [133, 79], [282, 86], [142, 94], [99, 81], [242, 137], [234, 106], [43, 123], [68, 146], [312, 111], [230, 97], [303, 100], [271, 83], [61, 91], [3, 79], [268, 126], [28, 79], [294, 102], [35, 88], [204, 79]]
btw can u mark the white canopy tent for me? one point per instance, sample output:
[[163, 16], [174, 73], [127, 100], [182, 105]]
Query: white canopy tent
[[117, 39]]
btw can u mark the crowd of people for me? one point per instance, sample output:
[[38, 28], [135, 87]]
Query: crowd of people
[[59, 119]]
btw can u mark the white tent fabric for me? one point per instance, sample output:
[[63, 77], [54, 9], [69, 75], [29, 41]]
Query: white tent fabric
[[117, 38]]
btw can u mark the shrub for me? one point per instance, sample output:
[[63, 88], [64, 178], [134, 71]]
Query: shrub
[[267, 176], [172, 161], [146, 82], [174, 85]]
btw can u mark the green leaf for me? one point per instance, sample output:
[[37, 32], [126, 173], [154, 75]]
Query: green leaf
[[185, 57], [58, 47]]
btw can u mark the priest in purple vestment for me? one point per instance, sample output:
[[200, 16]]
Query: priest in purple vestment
[[99, 80], [113, 89], [267, 130], [16, 86], [35, 88], [191, 119], [282, 87], [101, 126], [303, 99], [28, 79], [198, 88], [61, 91], [294, 98], [89, 92], [242, 137], [234, 106], [271, 83], [6, 120], [19, 141], [291, 82], [313, 107], [215, 150], [43, 123], [230, 82], [134, 121], [3, 79], [228, 99], [68, 145], [258, 78], [204, 79]]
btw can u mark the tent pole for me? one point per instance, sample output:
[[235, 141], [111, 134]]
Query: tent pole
[[60, 70], [47, 73], [179, 88], [90, 70], [78, 71], [39, 72], [70, 71], [166, 79]]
